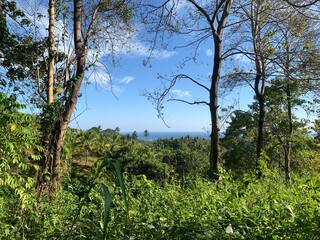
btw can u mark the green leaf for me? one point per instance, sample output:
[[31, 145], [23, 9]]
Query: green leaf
[[107, 206], [105, 163], [117, 168]]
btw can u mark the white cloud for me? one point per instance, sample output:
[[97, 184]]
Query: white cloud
[[242, 58], [178, 5], [122, 39], [177, 93], [126, 79], [209, 52], [99, 75], [133, 46]]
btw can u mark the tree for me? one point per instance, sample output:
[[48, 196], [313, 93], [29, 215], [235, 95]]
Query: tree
[[14, 45], [103, 16], [146, 133], [297, 42], [134, 135], [50, 83], [280, 47], [256, 47], [259, 47], [53, 76], [208, 21], [239, 142]]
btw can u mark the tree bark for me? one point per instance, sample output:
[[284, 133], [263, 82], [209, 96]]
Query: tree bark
[[50, 82], [260, 138], [287, 162], [215, 128], [287, 167], [46, 159], [54, 141]]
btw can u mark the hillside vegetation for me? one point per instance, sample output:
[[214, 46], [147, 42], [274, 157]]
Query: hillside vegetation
[[164, 191], [257, 177]]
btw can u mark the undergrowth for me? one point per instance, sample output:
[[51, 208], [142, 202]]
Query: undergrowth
[[187, 208]]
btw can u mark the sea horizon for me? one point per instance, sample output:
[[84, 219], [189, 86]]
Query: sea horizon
[[165, 135]]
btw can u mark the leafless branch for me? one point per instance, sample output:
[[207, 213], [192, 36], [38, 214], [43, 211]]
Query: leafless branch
[[190, 103], [184, 76], [302, 5]]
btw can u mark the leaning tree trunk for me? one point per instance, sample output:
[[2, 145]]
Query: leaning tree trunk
[[74, 89], [54, 137]]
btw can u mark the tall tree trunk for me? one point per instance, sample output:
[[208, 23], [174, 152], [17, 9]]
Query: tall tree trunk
[[50, 82], [260, 76], [46, 160], [215, 128], [215, 79], [287, 161], [260, 138], [76, 81], [54, 138], [259, 91], [287, 167]]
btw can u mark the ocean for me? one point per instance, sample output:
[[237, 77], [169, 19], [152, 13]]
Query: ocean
[[163, 135]]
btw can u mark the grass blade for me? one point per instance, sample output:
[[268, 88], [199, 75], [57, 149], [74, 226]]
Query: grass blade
[[117, 169], [107, 206]]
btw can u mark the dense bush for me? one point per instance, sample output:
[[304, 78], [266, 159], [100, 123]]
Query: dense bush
[[247, 209], [186, 155]]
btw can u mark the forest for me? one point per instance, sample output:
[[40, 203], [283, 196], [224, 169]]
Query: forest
[[258, 178]]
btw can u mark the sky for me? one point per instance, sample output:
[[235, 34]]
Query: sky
[[126, 107], [122, 104], [114, 98]]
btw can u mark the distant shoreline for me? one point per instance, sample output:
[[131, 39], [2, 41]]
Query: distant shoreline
[[165, 135]]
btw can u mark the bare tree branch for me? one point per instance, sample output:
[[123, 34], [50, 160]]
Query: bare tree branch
[[302, 5], [190, 103]]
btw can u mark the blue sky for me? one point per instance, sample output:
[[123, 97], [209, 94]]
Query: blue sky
[[124, 106], [130, 111]]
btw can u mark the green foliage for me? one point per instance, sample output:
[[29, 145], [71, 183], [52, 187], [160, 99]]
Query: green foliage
[[139, 158], [95, 181], [186, 155], [19, 146], [159, 160], [164, 196], [227, 209], [19, 153], [240, 139], [239, 143]]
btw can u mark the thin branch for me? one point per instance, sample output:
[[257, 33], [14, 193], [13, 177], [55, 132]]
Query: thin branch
[[303, 5], [190, 103], [204, 12], [181, 76]]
